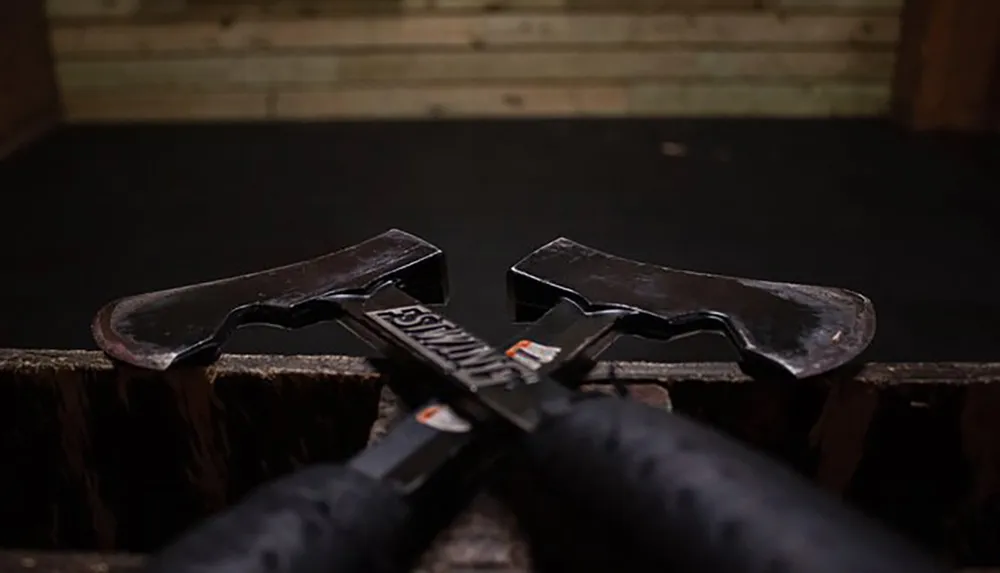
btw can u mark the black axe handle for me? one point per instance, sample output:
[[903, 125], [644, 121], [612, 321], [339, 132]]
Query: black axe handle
[[694, 500], [321, 519], [379, 511], [687, 496]]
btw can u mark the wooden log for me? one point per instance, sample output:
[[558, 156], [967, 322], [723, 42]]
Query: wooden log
[[120, 460], [948, 72], [29, 96], [476, 32]]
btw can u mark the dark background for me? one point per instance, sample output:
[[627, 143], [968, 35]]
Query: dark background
[[94, 213]]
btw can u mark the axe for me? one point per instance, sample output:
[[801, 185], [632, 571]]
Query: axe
[[688, 497]]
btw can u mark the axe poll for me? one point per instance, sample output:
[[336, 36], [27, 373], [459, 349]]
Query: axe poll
[[688, 497]]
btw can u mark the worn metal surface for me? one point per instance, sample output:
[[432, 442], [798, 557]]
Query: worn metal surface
[[155, 329], [805, 330], [119, 460]]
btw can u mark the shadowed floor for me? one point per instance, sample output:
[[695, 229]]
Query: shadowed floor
[[93, 213]]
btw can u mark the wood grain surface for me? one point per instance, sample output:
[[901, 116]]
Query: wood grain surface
[[912, 444], [97, 9], [262, 61]]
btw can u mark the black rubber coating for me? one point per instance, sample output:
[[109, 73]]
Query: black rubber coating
[[695, 500], [321, 519]]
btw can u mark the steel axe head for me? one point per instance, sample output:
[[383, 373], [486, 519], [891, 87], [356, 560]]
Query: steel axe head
[[157, 329], [804, 330]]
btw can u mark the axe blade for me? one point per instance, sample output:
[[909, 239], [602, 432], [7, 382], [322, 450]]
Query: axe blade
[[804, 330], [158, 329]]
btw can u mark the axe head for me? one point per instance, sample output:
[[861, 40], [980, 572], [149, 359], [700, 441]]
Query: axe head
[[158, 329], [802, 330]]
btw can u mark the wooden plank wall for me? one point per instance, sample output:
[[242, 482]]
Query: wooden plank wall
[[120, 60], [29, 100]]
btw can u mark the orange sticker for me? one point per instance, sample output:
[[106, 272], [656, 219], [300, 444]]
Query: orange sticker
[[521, 344], [427, 413], [443, 418], [532, 354]]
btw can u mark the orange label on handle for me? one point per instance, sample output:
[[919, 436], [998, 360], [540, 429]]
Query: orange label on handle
[[443, 418], [532, 354]]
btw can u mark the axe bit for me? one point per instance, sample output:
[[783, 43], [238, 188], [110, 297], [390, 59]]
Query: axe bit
[[688, 497]]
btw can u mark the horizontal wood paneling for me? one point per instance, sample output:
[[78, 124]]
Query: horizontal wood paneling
[[312, 8], [605, 100], [783, 100], [479, 32], [143, 105], [78, 8], [442, 58], [270, 71]]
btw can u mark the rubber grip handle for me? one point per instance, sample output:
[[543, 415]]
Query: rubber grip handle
[[694, 500], [321, 519]]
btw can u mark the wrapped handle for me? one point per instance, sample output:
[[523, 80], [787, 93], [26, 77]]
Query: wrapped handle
[[321, 519], [695, 500]]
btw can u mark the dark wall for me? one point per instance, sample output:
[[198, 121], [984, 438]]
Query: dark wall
[[104, 212]]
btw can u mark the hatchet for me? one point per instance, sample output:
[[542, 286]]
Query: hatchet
[[689, 497]]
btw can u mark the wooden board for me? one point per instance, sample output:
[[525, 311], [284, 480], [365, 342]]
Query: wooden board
[[118, 106], [481, 32], [78, 8], [216, 73], [159, 8], [913, 444], [820, 99], [29, 98], [464, 58], [442, 102]]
